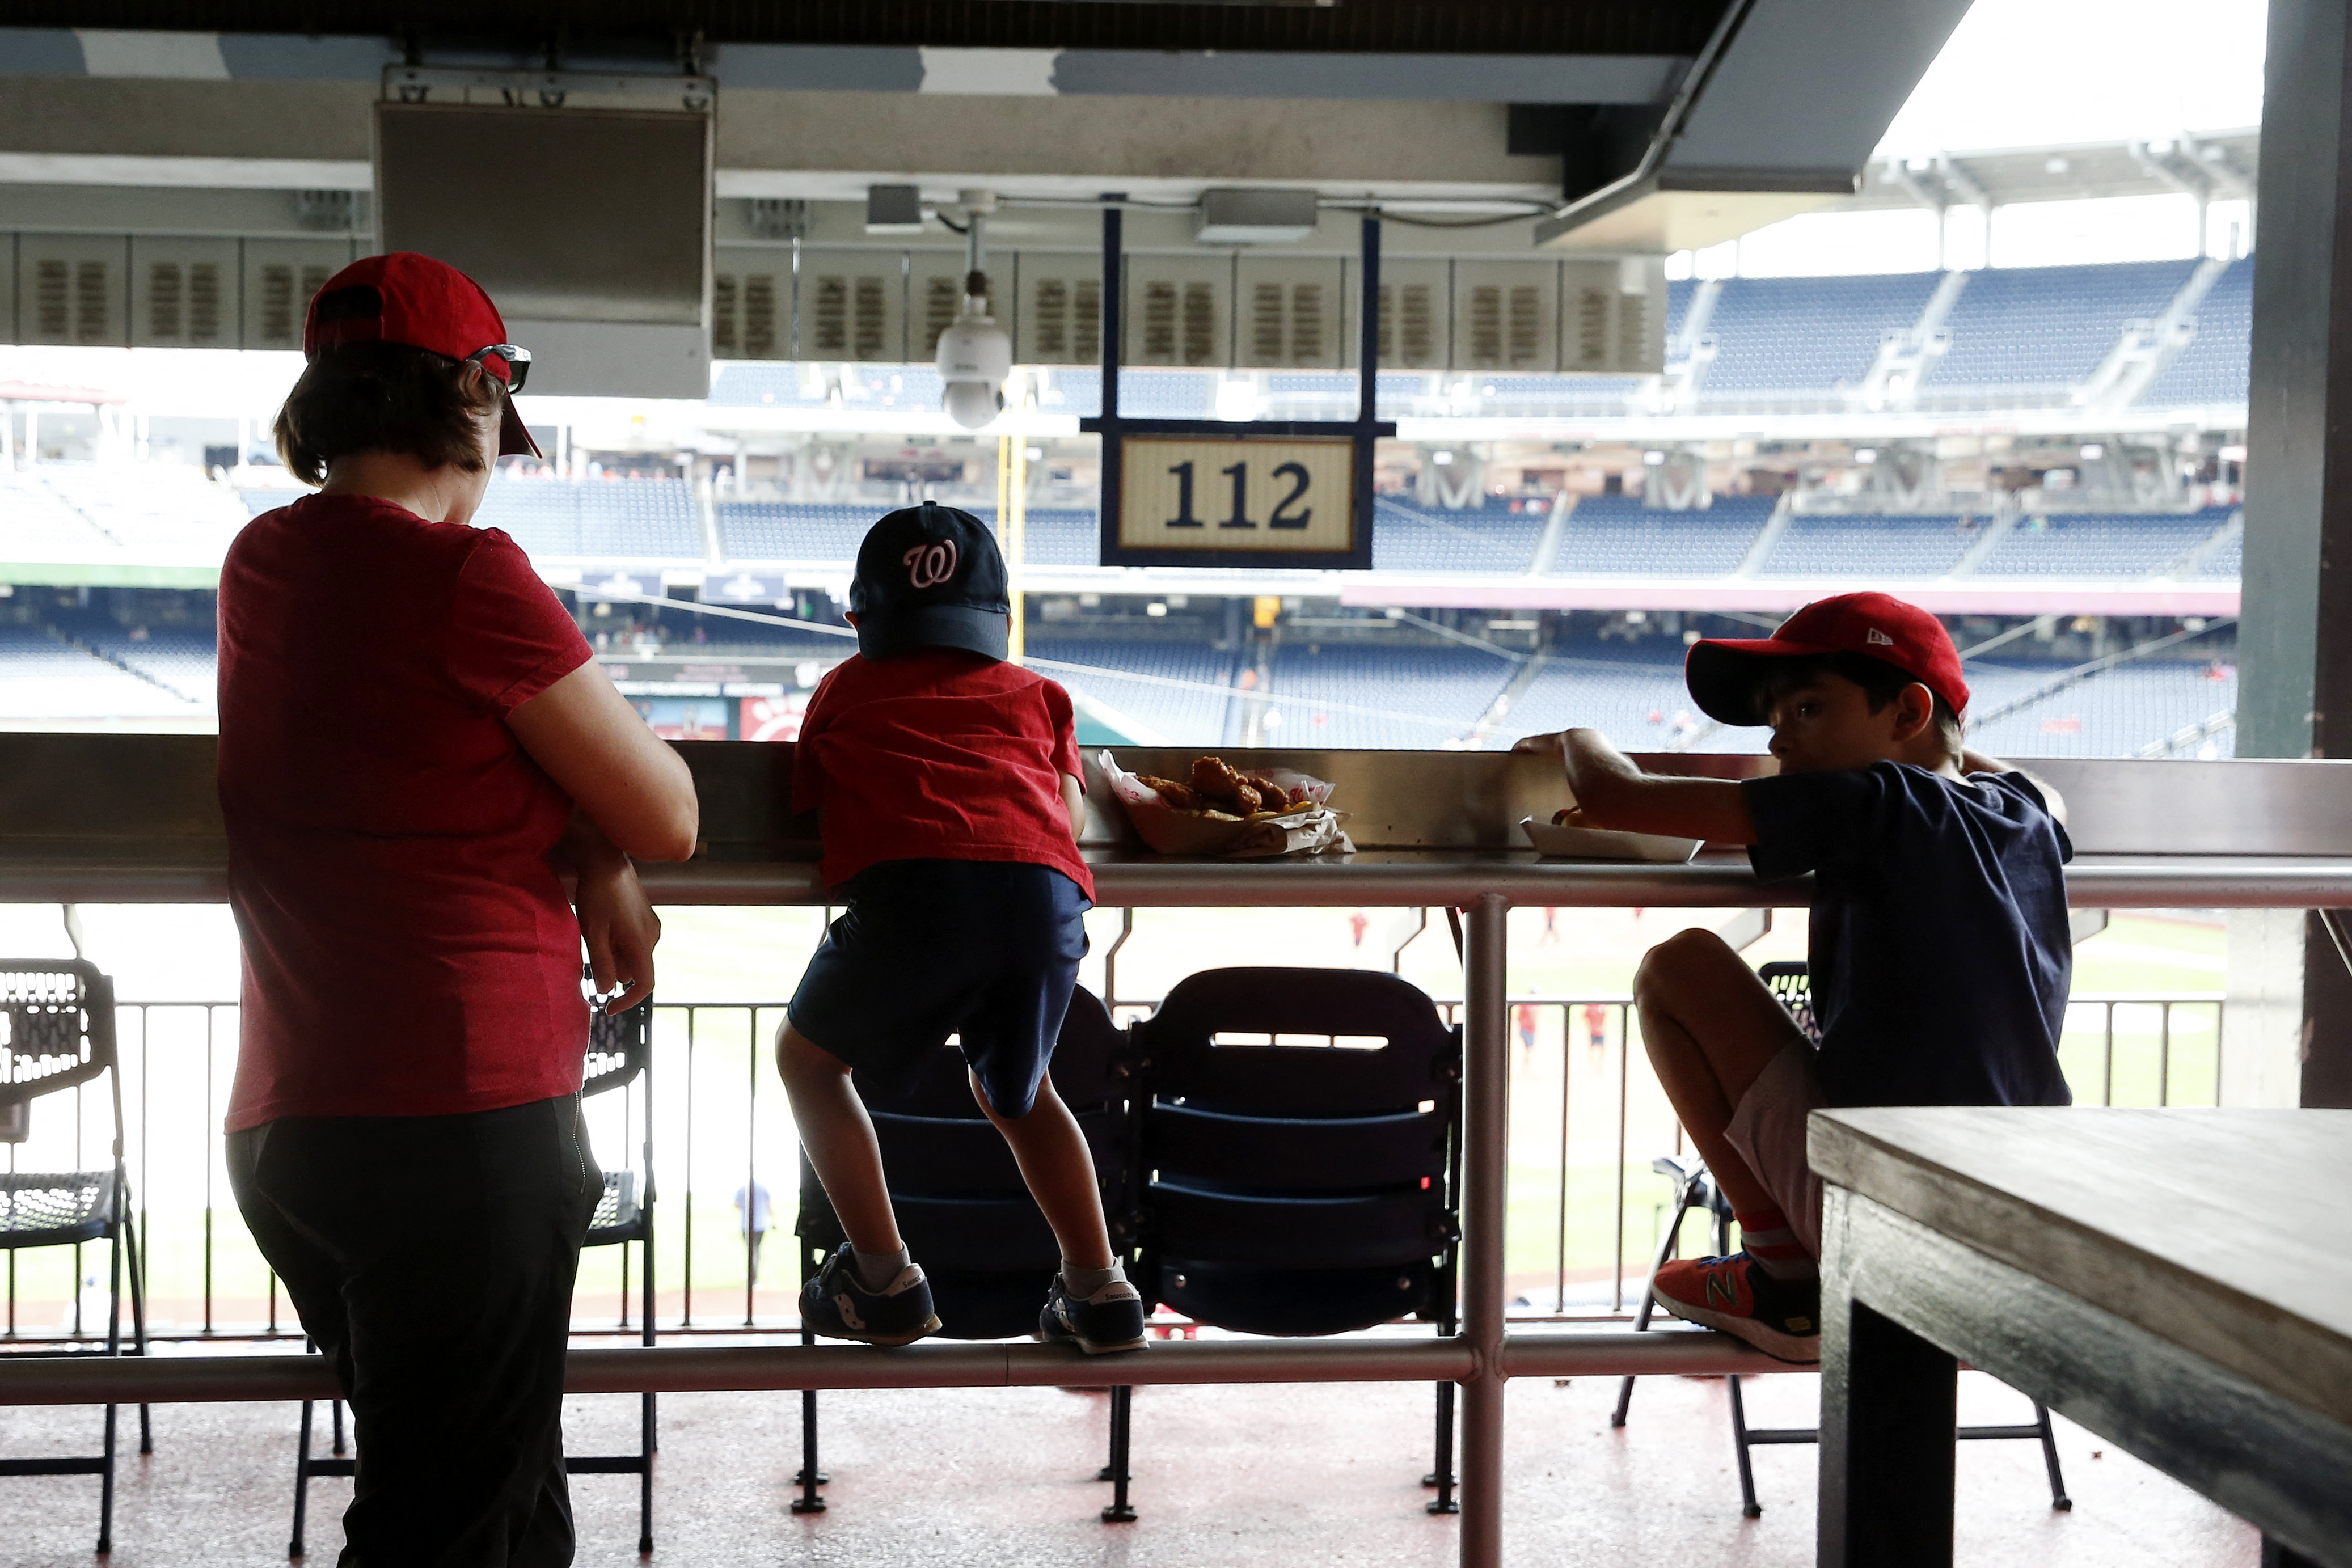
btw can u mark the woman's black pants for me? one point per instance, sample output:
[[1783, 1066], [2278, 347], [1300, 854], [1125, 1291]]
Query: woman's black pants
[[432, 1257]]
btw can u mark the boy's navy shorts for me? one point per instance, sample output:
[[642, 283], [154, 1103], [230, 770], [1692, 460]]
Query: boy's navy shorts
[[987, 950]]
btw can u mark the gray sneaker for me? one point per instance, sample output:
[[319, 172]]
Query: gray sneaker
[[1109, 1320]]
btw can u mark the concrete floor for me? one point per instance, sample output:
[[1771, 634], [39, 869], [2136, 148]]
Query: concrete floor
[[1224, 1476]]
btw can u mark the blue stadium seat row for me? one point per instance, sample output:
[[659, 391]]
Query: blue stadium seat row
[[2095, 545], [2212, 369], [1426, 697], [625, 519], [1869, 545], [1185, 714], [1491, 539], [1806, 334], [1617, 536], [2047, 328], [2111, 714]]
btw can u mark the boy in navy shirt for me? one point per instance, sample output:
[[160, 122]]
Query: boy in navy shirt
[[949, 783], [1940, 952]]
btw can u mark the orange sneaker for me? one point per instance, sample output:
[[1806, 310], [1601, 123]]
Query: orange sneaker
[[1780, 1317]]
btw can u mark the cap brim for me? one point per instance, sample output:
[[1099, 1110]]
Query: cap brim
[[1726, 674], [882, 633], [514, 436]]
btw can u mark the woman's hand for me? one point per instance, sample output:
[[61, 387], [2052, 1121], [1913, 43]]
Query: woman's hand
[[617, 920]]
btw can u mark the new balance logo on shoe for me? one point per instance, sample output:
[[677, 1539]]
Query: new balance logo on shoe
[[1736, 1296], [848, 1310]]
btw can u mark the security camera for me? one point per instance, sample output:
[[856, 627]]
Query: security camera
[[975, 355]]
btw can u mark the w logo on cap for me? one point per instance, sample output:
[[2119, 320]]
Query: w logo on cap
[[928, 566], [1878, 639]]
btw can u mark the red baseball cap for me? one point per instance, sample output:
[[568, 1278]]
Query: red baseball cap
[[429, 305], [1725, 673]]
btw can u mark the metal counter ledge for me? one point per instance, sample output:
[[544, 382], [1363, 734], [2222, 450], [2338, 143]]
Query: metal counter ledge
[[135, 819], [128, 872]]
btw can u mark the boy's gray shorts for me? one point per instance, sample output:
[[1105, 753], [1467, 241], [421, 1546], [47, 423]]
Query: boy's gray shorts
[[1768, 1128]]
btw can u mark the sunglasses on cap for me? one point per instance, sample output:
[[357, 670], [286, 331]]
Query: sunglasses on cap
[[518, 362]]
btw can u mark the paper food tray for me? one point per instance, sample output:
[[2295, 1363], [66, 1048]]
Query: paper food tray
[[1600, 844], [1312, 827]]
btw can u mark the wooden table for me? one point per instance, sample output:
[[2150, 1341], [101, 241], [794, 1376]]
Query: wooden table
[[2178, 1281]]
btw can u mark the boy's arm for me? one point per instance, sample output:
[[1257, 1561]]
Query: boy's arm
[[1074, 806], [1611, 792], [1977, 762]]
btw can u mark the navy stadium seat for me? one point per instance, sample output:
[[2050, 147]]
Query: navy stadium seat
[[1301, 1131], [962, 1208]]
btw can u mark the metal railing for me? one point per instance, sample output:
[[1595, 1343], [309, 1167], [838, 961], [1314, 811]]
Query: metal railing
[[1482, 1357], [723, 1142]]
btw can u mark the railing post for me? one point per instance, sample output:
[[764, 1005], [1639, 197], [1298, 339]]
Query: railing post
[[1484, 1169]]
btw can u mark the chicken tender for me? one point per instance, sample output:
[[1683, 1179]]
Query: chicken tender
[[1217, 780], [1178, 797], [1275, 796]]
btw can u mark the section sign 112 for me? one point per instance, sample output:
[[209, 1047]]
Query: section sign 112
[[1215, 495]]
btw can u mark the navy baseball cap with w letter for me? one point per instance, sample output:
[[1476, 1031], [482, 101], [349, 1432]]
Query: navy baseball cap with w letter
[[930, 577]]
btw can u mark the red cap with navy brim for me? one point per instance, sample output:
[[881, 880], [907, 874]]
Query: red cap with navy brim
[[1726, 674], [424, 304]]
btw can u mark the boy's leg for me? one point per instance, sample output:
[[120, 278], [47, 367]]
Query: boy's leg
[[869, 1290], [1091, 1304], [1734, 1065], [1008, 1040], [1711, 1028], [1060, 1172], [839, 1138]]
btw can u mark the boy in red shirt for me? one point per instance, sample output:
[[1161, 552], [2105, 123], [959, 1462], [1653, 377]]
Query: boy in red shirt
[[949, 783]]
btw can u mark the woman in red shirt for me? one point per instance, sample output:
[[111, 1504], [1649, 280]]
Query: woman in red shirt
[[414, 744]]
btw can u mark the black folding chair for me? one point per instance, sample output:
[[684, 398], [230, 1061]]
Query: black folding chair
[[57, 1022], [1302, 1137], [620, 1053], [965, 1214], [1791, 985]]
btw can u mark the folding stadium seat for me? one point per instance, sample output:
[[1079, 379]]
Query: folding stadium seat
[[966, 1215], [1693, 1189], [1302, 1134], [57, 1027], [620, 1055]]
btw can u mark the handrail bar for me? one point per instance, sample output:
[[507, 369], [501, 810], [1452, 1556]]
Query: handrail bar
[[672, 1369]]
